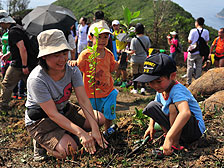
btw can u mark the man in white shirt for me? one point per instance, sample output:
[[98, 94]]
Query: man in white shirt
[[195, 57], [81, 35]]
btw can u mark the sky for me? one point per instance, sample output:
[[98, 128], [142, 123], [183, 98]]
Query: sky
[[35, 3]]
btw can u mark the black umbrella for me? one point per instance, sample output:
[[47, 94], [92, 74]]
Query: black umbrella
[[48, 17]]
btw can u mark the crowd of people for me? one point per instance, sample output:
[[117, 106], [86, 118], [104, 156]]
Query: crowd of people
[[54, 122]]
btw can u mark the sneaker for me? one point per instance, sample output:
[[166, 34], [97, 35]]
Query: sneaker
[[40, 154], [142, 91], [14, 96], [123, 85], [134, 91]]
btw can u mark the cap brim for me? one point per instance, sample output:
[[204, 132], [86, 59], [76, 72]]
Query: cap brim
[[146, 78], [105, 31]]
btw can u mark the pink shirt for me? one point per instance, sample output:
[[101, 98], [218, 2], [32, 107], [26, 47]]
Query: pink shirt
[[172, 47]]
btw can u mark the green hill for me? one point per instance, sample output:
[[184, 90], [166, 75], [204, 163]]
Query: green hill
[[159, 17]]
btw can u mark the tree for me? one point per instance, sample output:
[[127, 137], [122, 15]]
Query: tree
[[161, 11], [17, 5]]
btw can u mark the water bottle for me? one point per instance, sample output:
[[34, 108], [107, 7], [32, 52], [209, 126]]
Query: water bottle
[[110, 131]]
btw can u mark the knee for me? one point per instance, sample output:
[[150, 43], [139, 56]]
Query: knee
[[66, 147], [150, 107]]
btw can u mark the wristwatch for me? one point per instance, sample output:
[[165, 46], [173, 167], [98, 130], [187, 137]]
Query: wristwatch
[[24, 66]]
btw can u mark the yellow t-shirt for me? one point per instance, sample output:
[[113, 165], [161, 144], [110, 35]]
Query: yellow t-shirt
[[120, 44], [103, 77]]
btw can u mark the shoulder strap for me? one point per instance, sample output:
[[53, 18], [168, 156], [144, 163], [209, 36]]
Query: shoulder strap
[[216, 41], [143, 46], [199, 33]]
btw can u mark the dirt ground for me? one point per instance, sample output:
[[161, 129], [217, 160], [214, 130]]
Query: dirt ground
[[16, 147]]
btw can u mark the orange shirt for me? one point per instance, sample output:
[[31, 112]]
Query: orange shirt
[[219, 47], [103, 77]]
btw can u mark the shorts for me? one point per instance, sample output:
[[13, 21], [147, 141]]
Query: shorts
[[81, 47], [106, 105], [218, 58], [137, 68], [46, 132], [190, 132]]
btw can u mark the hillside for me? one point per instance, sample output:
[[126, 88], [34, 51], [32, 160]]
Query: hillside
[[159, 20], [221, 14]]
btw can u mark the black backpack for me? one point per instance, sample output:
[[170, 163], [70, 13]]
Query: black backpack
[[32, 47], [202, 46]]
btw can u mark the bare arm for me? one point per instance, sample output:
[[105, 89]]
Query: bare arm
[[5, 56], [211, 49], [23, 55], [88, 112]]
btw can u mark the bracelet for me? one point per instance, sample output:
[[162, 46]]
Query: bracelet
[[24, 66]]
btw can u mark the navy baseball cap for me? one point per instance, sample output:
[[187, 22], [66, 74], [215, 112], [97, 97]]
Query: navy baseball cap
[[155, 66]]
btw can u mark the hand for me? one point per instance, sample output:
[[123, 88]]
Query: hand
[[209, 56], [167, 150], [26, 71], [99, 139], [150, 131], [72, 63], [88, 143]]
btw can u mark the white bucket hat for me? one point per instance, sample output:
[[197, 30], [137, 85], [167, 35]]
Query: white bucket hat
[[5, 18], [100, 25], [173, 33], [52, 41]]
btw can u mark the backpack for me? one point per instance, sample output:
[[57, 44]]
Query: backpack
[[201, 46], [32, 47]]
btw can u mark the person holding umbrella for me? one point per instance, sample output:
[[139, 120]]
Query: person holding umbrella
[[50, 118]]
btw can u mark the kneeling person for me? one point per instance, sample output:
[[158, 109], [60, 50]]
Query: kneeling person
[[174, 109], [50, 118]]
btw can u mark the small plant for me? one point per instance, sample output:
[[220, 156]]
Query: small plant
[[140, 118]]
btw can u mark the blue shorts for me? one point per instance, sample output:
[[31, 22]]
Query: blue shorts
[[106, 105]]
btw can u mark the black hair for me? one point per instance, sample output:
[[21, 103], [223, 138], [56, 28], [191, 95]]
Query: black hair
[[18, 20], [200, 21], [84, 19], [42, 62], [139, 28], [99, 15], [222, 29]]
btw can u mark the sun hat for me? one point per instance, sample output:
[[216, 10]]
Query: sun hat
[[101, 25], [173, 33], [5, 18], [52, 41], [115, 22], [155, 66]]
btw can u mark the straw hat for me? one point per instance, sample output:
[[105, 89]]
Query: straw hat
[[52, 41], [173, 33], [100, 25], [5, 18]]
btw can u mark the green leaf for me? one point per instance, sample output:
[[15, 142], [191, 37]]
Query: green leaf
[[98, 89], [127, 16], [135, 14], [135, 20]]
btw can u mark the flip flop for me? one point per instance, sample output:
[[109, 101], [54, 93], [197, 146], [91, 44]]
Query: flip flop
[[181, 148]]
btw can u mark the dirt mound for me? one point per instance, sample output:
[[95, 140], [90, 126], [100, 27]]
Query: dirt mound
[[209, 83]]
